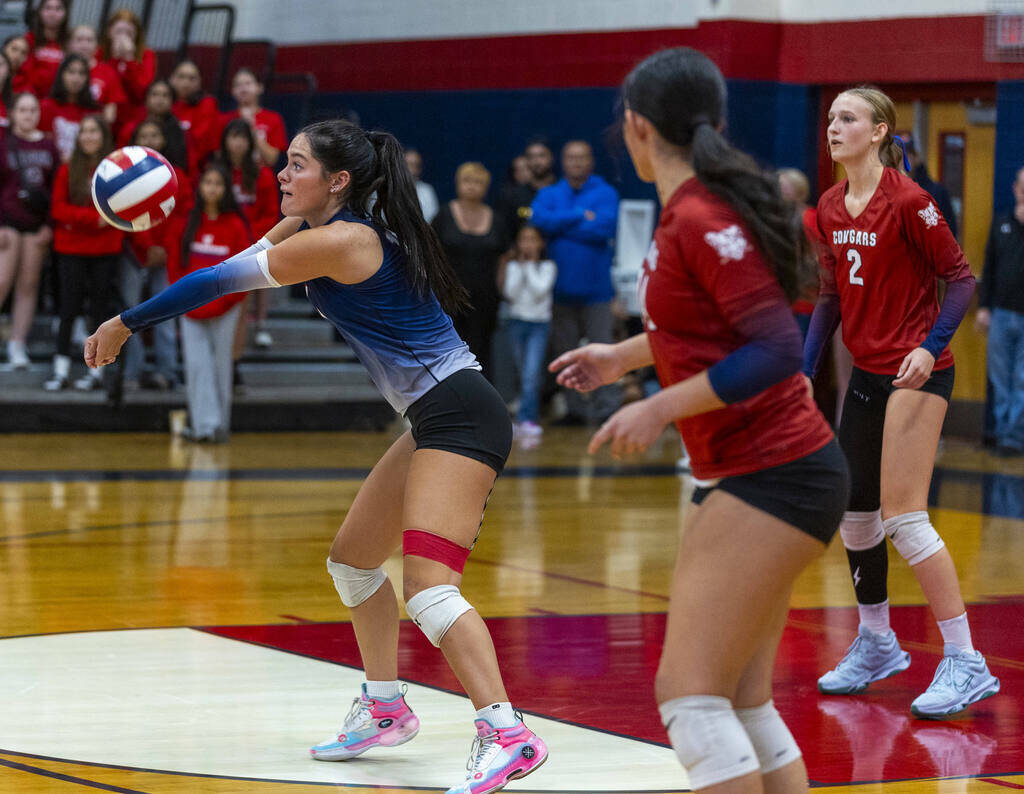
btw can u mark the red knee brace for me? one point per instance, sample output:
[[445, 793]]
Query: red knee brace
[[418, 543]]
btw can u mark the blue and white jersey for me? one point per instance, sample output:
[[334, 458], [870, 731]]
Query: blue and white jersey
[[406, 341]]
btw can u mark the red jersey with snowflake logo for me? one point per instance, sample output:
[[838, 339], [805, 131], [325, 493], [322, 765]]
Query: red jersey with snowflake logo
[[883, 264], [703, 275]]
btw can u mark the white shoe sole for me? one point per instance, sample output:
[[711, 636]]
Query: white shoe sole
[[341, 754], [984, 690]]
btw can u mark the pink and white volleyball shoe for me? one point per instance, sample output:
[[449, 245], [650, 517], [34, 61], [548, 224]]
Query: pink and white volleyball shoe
[[500, 755], [372, 722]]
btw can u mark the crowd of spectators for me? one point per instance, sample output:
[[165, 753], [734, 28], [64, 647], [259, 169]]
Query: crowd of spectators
[[68, 97], [537, 264]]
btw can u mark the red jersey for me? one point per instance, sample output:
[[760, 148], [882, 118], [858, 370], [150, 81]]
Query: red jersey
[[268, 125], [883, 265], [41, 65], [21, 81], [77, 228], [62, 122], [105, 84], [135, 75], [702, 276], [216, 239], [201, 123], [261, 206]]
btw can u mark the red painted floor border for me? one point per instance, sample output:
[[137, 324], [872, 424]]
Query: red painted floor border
[[598, 670]]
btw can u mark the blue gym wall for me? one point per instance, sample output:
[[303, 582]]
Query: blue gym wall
[[774, 122], [1009, 158]]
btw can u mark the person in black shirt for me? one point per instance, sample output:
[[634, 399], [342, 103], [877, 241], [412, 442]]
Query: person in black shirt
[[1001, 315], [517, 195], [474, 237]]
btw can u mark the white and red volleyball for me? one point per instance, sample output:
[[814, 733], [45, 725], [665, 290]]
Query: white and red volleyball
[[134, 188]]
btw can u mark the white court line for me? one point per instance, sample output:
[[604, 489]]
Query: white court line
[[187, 701]]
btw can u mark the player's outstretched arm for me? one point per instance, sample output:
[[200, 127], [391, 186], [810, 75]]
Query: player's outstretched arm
[[241, 273], [593, 365]]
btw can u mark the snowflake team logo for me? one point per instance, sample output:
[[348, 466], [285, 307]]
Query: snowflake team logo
[[729, 243], [929, 215]]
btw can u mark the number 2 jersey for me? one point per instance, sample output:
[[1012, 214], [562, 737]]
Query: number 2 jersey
[[702, 277], [883, 265]]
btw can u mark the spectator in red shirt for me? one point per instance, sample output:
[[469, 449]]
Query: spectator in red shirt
[[47, 40], [6, 94], [197, 112], [716, 288], [216, 230], [156, 253], [28, 161], [16, 51], [257, 194], [69, 102], [157, 108], [104, 81], [254, 185], [267, 125], [123, 48], [87, 247]]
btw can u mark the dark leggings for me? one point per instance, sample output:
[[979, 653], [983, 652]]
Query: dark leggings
[[82, 276]]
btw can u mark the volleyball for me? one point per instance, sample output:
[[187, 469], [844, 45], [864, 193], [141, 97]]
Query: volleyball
[[134, 188]]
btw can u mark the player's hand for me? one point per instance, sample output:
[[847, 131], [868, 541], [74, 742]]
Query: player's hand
[[587, 367], [630, 430], [982, 321], [103, 346], [915, 369], [123, 47]]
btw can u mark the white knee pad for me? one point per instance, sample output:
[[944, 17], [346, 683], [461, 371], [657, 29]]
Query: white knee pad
[[913, 536], [773, 743], [709, 739], [436, 609], [355, 585], [861, 531]]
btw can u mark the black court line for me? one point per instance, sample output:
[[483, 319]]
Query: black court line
[[81, 781], [390, 787]]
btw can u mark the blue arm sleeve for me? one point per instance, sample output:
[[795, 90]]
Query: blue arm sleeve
[[771, 355], [199, 288], [824, 322], [954, 307]]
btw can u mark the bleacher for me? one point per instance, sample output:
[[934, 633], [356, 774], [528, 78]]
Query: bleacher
[[308, 380]]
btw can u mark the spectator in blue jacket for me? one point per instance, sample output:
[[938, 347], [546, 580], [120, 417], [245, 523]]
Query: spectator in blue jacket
[[578, 215]]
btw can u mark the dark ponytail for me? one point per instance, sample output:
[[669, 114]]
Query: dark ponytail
[[682, 93], [376, 164]]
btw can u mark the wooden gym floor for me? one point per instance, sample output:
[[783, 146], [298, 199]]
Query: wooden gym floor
[[167, 623]]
